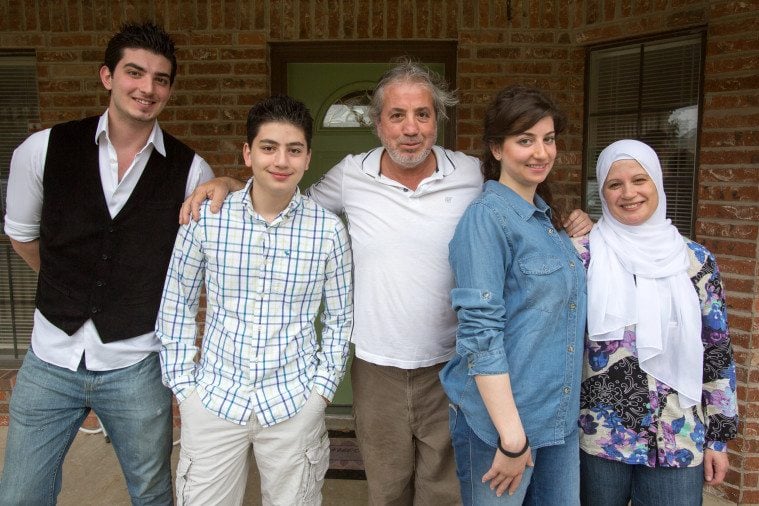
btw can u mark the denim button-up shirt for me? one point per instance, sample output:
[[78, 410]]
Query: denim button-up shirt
[[520, 298]]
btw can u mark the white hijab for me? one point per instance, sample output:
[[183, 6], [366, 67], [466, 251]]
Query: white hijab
[[638, 276]]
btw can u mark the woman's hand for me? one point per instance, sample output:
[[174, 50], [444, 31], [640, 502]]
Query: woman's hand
[[506, 472], [216, 189], [715, 467]]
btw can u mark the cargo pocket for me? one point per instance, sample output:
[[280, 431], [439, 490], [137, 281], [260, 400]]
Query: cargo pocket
[[183, 478], [316, 464]]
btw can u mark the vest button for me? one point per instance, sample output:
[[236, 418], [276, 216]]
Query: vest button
[[95, 309], [100, 283], [104, 256]]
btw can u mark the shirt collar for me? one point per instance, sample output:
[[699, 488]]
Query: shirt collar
[[524, 209], [155, 138], [243, 197]]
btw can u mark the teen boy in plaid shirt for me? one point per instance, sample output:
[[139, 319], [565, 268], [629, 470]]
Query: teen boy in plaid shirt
[[269, 259]]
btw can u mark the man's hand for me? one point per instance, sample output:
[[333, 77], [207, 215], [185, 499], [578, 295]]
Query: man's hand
[[216, 189], [506, 473], [716, 465], [578, 223]]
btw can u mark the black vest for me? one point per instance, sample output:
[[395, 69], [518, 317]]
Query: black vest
[[92, 266]]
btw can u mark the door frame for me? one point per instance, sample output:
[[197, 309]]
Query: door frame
[[366, 51]]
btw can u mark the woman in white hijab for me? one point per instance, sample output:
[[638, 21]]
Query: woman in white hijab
[[658, 400]]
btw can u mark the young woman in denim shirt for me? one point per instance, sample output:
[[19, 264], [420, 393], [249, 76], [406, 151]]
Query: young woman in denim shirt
[[514, 384], [658, 400]]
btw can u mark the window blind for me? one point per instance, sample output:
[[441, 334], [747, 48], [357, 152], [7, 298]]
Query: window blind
[[19, 115], [648, 91]]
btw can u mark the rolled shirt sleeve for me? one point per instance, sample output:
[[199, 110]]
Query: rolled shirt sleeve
[[478, 296], [24, 196]]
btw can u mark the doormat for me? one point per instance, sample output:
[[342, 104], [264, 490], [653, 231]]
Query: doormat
[[345, 461]]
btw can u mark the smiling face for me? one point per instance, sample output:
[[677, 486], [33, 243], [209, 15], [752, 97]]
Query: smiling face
[[630, 193], [407, 125], [278, 156], [140, 86], [527, 158]]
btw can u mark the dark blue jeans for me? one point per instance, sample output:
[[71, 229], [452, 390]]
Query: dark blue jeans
[[609, 483], [553, 481], [49, 404]]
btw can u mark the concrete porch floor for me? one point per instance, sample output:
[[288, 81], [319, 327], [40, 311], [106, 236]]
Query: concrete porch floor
[[92, 477]]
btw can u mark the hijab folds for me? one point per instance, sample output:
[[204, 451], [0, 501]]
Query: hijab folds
[[638, 277]]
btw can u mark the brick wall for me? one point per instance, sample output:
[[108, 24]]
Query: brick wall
[[728, 177], [224, 69]]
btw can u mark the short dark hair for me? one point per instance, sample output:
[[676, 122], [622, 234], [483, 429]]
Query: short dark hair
[[280, 108], [514, 110], [406, 70], [146, 35]]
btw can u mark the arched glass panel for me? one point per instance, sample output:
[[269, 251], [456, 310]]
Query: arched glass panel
[[349, 111]]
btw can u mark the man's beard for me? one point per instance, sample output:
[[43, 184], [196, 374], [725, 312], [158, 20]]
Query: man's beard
[[407, 160]]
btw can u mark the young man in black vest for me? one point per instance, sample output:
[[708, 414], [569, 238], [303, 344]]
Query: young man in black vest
[[92, 207]]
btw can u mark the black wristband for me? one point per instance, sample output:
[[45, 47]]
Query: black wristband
[[514, 455]]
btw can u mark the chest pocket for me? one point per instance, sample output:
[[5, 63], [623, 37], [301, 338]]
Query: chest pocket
[[544, 283], [294, 273]]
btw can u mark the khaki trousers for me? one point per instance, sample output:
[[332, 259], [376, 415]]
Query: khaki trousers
[[292, 456], [403, 434]]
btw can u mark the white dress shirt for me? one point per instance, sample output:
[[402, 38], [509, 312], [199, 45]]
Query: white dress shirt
[[22, 223]]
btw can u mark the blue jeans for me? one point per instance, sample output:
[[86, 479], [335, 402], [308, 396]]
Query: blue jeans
[[609, 483], [555, 478], [49, 404]]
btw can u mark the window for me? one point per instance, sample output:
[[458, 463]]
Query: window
[[349, 111], [648, 91], [19, 115]]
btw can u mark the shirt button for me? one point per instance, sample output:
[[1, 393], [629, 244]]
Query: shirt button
[[572, 305], [572, 264], [571, 348], [550, 231], [567, 390]]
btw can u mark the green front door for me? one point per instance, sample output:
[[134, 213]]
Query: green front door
[[337, 94]]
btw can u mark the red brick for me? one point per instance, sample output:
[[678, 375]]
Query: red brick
[[750, 496], [736, 211], [727, 230]]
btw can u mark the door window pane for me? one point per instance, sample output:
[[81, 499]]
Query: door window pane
[[349, 111]]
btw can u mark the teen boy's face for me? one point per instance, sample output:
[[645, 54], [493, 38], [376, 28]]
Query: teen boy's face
[[278, 157]]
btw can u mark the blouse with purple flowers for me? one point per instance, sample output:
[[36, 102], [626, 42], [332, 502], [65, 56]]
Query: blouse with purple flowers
[[628, 416]]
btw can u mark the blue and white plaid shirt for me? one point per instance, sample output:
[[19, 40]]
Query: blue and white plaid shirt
[[264, 285]]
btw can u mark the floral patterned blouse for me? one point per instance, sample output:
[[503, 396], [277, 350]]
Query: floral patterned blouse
[[628, 416]]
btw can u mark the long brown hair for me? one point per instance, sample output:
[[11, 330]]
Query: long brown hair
[[514, 110]]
